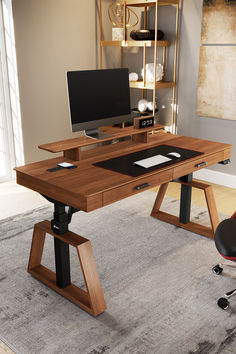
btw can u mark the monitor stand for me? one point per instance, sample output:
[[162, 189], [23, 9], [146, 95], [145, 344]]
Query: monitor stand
[[96, 134]]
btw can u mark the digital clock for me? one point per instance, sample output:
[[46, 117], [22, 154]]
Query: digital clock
[[143, 122]]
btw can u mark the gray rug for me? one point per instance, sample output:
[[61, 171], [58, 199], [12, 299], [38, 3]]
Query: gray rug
[[160, 292]]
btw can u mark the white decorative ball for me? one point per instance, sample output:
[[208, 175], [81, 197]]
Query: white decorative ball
[[150, 72], [142, 105], [150, 106], [133, 77]]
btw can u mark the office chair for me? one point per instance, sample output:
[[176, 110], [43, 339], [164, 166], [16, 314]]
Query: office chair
[[225, 241]]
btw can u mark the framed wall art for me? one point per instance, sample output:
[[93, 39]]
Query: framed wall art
[[217, 64]]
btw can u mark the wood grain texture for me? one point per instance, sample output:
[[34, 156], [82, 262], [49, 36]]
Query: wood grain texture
[[37, 245], [140, 138], [194, 227], [191, 226], [76, 295], [224, 197], [211, 204], [87, 187], [91, 278], [73, 154], [193, 166], [129, 189], [91, 301], [73, 144], [159, 199], [210, 200], [216, 82]]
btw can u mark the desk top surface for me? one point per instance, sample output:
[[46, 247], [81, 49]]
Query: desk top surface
[[89, 187]]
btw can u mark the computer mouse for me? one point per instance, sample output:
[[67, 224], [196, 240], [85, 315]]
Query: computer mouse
[[174, 154]]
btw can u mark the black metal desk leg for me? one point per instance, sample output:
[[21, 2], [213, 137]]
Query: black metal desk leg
[[62, 261], [185, 200], [59, 225]]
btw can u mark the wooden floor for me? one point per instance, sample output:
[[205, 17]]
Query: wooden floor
[[4, 349], [225, 197]]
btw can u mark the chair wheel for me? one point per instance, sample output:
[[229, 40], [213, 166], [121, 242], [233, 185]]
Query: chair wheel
[[223, 303], [217, 269]]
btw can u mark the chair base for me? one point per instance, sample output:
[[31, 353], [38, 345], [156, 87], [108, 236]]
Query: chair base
[[223, 302]]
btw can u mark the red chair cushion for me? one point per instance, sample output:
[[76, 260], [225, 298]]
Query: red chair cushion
[[234, 215]]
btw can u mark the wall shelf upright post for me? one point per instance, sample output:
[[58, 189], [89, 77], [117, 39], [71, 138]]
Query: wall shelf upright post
[[143, 85]]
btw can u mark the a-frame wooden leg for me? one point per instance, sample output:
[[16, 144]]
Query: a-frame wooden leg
[[91, 300], [191, 226], [211, 204], [159, 199], [91, 278], [37, 245]]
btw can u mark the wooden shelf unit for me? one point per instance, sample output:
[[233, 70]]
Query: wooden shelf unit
[[141, 3], [133, 43], [143, 84], [149, 85]]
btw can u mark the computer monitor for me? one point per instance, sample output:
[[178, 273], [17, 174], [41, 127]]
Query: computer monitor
[[98, 98]]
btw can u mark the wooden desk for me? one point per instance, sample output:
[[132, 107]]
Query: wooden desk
[[89, 187]]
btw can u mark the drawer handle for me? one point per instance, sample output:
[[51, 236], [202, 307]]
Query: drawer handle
[[201, 164], [145, 185]]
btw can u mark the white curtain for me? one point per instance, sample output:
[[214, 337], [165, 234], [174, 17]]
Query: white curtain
[[11, 146]]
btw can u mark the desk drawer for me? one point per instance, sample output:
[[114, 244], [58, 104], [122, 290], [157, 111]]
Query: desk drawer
[[138, 186], [198, 164]]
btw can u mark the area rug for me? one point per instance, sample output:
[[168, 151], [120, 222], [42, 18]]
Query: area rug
[[157, 281]]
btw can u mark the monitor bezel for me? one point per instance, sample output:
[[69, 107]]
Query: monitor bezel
[[98, 123]]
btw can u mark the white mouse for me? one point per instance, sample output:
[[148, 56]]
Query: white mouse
[[174, 154]]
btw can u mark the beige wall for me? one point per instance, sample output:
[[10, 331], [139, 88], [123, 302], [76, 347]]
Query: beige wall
[[52, 37]]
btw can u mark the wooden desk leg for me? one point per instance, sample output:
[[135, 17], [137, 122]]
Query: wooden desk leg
[[159, 199], [211, 204], [184, 221], [91, 300]]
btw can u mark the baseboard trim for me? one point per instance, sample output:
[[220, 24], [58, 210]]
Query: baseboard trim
[[223, 179]]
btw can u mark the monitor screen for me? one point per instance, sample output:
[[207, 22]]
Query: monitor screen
[[98, 98]]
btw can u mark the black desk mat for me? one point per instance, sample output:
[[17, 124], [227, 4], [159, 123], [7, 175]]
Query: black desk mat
[[125, 164]]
